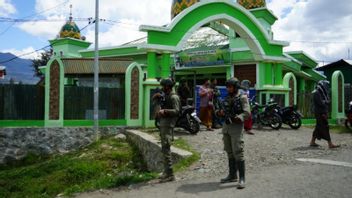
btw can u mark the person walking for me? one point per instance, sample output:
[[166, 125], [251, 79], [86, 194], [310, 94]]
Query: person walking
[[206, 104], [184, 92], [235, 109], [168, 113], [216, 99], [248, 123], [321, 102]]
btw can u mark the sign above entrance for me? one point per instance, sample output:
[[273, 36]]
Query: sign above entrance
[[204, 56]]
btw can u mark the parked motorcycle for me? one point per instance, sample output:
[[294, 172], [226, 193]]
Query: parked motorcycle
[[348, 121], [187, 120], [266, 115], [289, 115]]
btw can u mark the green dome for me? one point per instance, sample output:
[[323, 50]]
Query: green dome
[[70, 29], [179, 5], [250, 4]]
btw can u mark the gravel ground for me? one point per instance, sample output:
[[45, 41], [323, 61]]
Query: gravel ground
[[271, 167], [267, 148]]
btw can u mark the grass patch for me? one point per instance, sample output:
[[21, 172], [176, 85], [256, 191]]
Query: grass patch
[[339, 129], [183, 164], [107, 163]]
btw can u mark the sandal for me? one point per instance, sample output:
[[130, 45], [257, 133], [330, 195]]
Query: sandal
[[334, 146], [314, 145]]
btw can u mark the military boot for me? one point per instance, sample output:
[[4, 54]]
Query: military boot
[[232, 176], [167, 177], [168, 174], [241, 170]]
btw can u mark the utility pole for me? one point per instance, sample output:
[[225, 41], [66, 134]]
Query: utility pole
[[96, 72]]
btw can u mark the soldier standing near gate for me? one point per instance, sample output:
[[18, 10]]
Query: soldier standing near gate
[[235, 109], [168, 114]]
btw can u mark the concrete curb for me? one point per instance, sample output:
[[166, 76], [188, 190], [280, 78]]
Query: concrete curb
[[150, 149]]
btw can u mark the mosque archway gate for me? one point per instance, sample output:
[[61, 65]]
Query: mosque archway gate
[[162, 41]]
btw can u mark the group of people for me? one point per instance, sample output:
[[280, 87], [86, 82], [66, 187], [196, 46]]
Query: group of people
[[210, 100], [234, 110]]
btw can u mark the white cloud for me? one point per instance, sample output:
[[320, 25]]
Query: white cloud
[[25, 53], [6, 8], [124, 18], [281, 9], [320, 28]]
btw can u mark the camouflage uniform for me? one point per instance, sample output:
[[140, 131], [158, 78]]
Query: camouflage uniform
[[233, 132], [167, 124], [236, 110]]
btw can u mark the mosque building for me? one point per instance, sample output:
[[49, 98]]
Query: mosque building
[[205, 39]]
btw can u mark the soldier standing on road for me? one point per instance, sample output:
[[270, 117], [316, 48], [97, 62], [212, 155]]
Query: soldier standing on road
[[235, 109], [168, 114]]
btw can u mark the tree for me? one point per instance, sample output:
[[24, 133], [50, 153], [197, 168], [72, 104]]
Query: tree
[[42, 61]]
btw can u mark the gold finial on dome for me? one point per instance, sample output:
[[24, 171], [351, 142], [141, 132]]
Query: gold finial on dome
[[70, 29], [250, 4], [179, 5]]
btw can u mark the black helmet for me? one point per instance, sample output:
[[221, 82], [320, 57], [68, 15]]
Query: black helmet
[[167, 82], [245, 84], [234, 82]]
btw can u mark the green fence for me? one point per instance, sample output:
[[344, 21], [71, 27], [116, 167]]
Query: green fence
[[26, 102], [78, 104], [21, 102], [304, 104]]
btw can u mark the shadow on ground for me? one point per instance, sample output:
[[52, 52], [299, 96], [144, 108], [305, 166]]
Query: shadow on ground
[[204, 187], [307, 148]]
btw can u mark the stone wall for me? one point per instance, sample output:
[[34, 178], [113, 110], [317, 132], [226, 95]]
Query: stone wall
[[150, 148], [16, 143]]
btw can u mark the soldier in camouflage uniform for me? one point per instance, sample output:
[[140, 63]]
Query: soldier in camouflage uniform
[[235, 109], [168, 115]]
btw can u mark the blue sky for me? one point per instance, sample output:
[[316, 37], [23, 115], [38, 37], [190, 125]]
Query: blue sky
[[14, 38], [320, 28]]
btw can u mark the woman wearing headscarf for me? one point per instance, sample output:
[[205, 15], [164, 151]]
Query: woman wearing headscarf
[[321, 102]]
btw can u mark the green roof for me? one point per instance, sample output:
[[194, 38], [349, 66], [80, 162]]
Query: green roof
[[306, 60]]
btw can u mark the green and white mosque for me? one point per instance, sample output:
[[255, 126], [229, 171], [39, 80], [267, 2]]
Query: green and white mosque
[[205, 39]]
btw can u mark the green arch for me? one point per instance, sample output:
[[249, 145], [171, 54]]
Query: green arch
[[286, 83], [335, 114], [47, 121], [172, 37]]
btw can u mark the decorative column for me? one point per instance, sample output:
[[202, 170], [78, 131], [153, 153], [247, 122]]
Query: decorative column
[[54, 94]]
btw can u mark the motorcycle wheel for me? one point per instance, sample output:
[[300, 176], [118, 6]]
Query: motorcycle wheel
[[276, 121], [348, 124], [295, 122], [193, 126]]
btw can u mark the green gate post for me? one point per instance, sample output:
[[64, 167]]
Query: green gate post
[[335, 99]]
